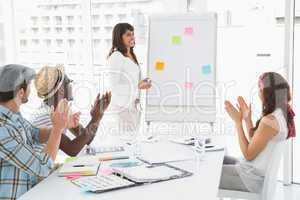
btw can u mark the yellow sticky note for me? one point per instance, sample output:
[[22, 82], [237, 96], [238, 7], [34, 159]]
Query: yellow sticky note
[[159, 66], [87, 172], [70, 159], [176, 40]]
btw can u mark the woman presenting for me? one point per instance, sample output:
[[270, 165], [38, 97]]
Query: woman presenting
[[125, 78]]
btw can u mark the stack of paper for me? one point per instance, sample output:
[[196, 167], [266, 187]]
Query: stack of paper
[[80, 166], [146, 174], [78, 170]]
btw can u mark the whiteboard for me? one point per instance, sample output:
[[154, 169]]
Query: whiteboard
[[182, 67]]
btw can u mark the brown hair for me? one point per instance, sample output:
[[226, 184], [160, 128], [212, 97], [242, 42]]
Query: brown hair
[[276, 94], [7, 96], [117, 41]]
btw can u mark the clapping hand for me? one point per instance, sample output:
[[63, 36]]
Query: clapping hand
[[60, 115], [234, 113], [100, 105], [245, 109], [74, 120]]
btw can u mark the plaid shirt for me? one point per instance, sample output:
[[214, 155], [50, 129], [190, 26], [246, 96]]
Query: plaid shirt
[[21, 161]]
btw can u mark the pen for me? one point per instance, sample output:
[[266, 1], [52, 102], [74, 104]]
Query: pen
[[113, 158], [82, 165]]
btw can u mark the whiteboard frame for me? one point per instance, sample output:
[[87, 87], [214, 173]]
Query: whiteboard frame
[[156, 113]]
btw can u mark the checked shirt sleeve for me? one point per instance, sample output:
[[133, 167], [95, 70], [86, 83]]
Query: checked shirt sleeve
[[14, 150]]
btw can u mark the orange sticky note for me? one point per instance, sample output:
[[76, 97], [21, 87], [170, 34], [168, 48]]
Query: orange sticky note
[[159, 66]]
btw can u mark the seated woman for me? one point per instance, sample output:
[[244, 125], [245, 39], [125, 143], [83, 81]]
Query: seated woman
[[275, 125], [52, 85]]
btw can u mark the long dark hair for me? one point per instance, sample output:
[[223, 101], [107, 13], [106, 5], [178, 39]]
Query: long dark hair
[[276, 93], [117, 41]]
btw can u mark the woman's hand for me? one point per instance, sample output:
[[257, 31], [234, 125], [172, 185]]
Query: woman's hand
[[145, 84], [245, 109], [60, 115], [235, 114], [73, 121]]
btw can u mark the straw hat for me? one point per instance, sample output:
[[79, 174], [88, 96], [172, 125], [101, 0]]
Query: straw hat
[[48, 80]]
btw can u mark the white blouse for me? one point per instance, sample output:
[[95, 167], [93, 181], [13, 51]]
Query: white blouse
[[252, 172], [123, 80]]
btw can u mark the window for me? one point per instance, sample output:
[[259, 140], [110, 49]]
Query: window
[[250, 42], [296, 149], [77, 33], [6, 44]]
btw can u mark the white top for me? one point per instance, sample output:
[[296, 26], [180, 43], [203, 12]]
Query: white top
[[253, 172], [123, 80]]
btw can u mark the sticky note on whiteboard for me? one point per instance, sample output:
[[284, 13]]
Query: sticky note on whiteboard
[[159, 66], [206, 69], [176, 40], [188, 85], [188, 31]]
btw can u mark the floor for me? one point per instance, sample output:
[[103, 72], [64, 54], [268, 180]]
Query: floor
[[285, 192]]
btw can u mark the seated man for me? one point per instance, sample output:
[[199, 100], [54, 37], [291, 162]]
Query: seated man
[[52, 85], [21, 165]]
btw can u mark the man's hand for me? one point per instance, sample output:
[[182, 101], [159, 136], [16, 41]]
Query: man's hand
[[73, 121], [59, 116], [100, 106]]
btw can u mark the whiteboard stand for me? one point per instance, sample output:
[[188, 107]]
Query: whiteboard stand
[[181, 62], [211, 124]]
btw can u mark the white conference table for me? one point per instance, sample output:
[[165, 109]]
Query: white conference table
[[202, 185]]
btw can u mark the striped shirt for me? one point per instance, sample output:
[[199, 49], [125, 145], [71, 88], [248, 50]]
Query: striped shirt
[[22, 162], [41, 118]]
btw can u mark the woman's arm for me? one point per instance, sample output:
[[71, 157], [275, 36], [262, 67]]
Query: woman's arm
[[267, 128], [246, 114], [249, 127]]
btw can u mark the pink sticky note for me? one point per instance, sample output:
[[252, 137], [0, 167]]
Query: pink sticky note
[[188, 85], [106, 171], [189, 31], [72, 177], [74, 174]]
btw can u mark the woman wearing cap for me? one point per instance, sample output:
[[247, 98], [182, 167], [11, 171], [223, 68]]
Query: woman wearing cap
[[125, 78], [52, 84]]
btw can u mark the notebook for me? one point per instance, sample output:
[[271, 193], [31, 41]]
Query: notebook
[[80, 167], [148, 174], [130, 177]]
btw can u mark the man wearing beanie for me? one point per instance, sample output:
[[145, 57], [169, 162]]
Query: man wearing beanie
[[21, 165], [52, 85]]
